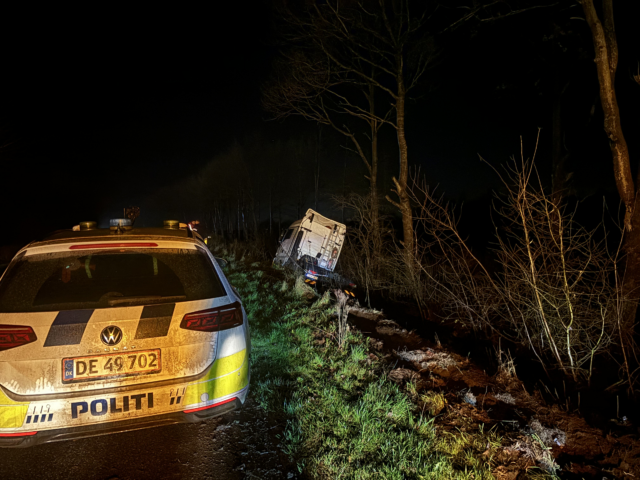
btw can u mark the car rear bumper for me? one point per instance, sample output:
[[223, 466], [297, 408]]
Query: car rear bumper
[[75, 433], [26, 421]]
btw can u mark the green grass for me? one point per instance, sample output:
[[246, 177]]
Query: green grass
[[343, 418]]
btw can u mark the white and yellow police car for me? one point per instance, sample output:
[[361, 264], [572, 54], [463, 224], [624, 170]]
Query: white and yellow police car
[[110, 330]]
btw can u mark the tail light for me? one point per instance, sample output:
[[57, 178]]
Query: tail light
[[210, 406], [91, 246], [12, 336], [213, 319]]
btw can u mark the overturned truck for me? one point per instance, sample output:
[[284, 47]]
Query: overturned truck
[[312, 246]]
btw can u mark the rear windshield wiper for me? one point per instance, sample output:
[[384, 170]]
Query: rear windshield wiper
[[144, 299]]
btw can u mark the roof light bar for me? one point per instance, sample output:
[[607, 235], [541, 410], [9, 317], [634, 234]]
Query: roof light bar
[[120, 222], [21, 434], [120, 225], [88, 225]]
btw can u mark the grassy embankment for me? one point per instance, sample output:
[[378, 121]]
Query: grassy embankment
[[344, 418]]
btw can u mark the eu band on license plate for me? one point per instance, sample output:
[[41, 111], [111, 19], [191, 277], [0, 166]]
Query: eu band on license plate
[[96, 367]]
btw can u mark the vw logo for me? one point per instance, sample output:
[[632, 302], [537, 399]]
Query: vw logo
[[111, 335]]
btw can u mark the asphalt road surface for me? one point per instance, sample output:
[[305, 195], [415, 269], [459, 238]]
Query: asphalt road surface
[[239, 445]]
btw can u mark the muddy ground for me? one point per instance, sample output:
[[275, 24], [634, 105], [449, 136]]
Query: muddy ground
[[239, 445], [538, 435]]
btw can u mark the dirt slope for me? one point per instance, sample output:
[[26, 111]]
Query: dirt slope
[[536, 434]]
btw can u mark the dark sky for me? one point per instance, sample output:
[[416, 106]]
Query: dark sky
[[109, 106], [106, 104]]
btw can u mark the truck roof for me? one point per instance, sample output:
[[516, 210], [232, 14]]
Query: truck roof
[[317, 218], [321, 219]]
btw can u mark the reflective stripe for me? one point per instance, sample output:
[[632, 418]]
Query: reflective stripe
[[68, 328], [227, 375], [155, 321], [12, 413]]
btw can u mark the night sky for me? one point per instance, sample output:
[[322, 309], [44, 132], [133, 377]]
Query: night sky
[[108, 107]]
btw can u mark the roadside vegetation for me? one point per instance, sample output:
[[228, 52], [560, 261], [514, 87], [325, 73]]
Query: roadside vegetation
[[546, 285], [345, 418], [566, 292]]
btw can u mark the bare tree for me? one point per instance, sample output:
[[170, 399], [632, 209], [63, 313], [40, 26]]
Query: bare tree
[[606, 59], [360, 60], [554, 290], [557, 276], [368, 254], [352, 51], [303, 83]]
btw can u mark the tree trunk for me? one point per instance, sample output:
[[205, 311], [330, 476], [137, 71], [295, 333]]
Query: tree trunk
[[299, 166], [270, 206], [373, 179], [373, 183], [401, 183], [344, 185], [256, 221], [558, 155], [316, 172], [606, 51]]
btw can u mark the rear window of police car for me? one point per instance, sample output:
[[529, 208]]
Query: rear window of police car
[[107, 278]]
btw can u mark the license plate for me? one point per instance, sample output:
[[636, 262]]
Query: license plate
[[96, 367]]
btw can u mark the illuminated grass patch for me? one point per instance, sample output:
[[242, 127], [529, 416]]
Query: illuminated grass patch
[[343, 418]]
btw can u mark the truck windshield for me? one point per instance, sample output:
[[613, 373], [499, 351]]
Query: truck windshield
[[102, 279], [287, 234]]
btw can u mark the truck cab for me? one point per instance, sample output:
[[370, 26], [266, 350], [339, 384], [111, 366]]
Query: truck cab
[[315, 239]]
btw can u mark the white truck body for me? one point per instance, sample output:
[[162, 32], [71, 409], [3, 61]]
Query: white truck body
[[314, 235]]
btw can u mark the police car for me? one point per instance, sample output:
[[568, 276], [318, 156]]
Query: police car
[[110, 330]]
